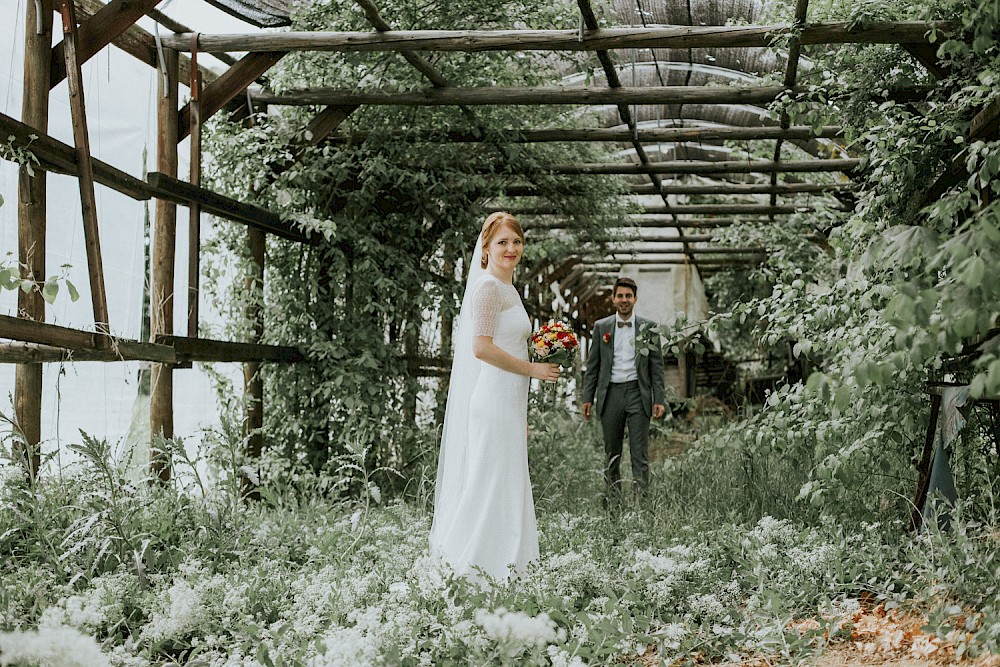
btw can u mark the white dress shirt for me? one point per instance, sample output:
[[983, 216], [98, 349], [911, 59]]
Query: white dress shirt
[[623, 364]]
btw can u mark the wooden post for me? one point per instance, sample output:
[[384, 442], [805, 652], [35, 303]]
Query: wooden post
[[194, 221], [78, 108], [161, 408], [253, 385], [31, 193]]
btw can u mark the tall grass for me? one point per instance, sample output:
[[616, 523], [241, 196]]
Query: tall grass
[[332, 569]]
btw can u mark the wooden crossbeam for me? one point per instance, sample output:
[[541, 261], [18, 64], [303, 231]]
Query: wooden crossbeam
[[58, 157], [646, 222], [203, 349], [98, 31], [717, 189], [652, 37], [81, 346], [679, 209], [696, 261], [707, 167], [643, 135], [78, 109], [722, 250], [13, 328], [452, 96], [235, 80], [170, 189]]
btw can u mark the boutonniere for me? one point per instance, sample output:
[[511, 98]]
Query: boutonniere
[[606, 338]]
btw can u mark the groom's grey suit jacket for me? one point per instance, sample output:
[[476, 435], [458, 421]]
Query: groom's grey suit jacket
[[649, 366]]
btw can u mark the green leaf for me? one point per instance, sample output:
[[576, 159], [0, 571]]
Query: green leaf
[[49, 291], [74, 295]]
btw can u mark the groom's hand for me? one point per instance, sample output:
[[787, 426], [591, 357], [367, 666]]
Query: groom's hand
[[658, 410], [586, 410]]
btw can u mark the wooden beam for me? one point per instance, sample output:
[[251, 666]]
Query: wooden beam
[[31, 221], [417, 61], [22, 330], [452, 96], [986, 123], [643, 135], [652, 37], [692, 251], [168, 188], [194, 208], [926, 54], [647, 222], [253, 383], [721, 188], [791, 73], [166, 349], [590, 22], [88, 201], [142, 45], [674, 262], [98, 31], [707, 167], [235, 80], [161, 402], [679, 209], [326, 122], [203, 349], [61, 158]]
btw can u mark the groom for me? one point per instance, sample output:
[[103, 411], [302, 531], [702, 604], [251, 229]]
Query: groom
[[625, 374]]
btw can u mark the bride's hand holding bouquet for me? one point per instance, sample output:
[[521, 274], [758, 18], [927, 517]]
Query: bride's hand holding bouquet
[[554, 343]]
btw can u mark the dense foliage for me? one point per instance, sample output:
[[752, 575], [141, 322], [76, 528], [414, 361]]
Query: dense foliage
[[396, 217], [171, 576], [903, 286]]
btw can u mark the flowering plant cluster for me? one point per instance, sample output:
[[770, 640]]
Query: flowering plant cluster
[[555, 343]]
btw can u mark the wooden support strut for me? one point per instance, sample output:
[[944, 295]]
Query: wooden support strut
[[98, 31], [161, 408], [31, 209], [194, 208], [81, 137], [218, 93], [253, 383]]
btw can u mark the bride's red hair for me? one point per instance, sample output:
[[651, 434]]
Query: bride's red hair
[[494, 223]]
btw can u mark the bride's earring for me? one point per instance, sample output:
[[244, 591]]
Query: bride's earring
[[484, 262]]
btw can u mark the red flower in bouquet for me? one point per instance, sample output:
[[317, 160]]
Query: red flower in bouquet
[[555, 343], [606, 338]]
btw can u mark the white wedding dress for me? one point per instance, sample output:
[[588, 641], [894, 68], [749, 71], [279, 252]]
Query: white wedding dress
[[484, 515]]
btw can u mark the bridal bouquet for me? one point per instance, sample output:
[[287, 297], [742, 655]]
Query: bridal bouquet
[[555, 343]]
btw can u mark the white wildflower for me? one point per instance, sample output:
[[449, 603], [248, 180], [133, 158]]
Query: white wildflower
[[53, 647], [518, 628], [562, 658]]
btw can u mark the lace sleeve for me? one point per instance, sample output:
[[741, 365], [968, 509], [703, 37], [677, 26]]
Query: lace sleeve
[[487, 303]]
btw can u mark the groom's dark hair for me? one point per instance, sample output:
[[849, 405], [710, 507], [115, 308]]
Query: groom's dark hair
[[626, 282]]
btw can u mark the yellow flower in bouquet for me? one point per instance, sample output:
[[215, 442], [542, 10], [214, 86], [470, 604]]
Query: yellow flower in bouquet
[[555, 343]]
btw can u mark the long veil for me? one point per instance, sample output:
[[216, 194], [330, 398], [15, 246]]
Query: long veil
[[451, 473]]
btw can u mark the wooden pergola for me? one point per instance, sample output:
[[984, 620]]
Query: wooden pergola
[[700, 117]]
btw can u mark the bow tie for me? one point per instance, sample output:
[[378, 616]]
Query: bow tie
[[624, 324]]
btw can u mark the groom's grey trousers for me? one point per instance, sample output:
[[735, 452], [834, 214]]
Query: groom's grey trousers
[[623, 406]]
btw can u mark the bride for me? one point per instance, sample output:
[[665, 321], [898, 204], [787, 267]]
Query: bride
[[484, 514]]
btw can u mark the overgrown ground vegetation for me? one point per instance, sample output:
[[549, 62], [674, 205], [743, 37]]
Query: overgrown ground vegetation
[[771, 532], [98, 571]]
